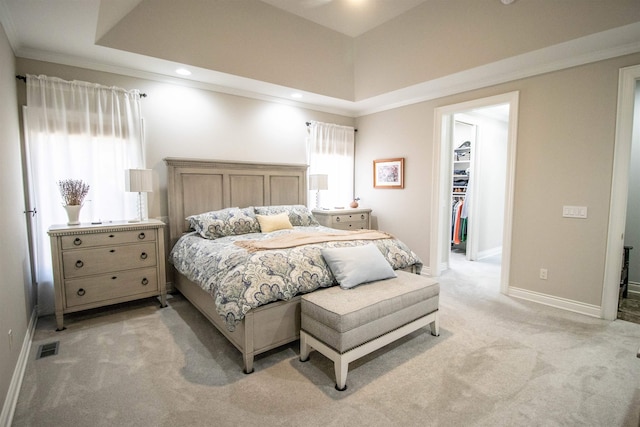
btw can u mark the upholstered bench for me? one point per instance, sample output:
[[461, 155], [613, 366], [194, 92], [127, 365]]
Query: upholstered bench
[[346, 324]]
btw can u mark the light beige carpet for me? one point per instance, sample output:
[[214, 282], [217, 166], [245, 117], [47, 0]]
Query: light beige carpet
[[498, 362]]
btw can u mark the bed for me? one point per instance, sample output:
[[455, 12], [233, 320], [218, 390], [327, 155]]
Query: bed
[[197, 188]]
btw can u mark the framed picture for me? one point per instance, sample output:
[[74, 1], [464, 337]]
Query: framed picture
[[388, 173]]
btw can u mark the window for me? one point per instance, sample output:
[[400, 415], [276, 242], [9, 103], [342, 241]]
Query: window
[[331, 151]]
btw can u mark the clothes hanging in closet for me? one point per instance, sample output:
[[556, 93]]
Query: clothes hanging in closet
[[459, 223]]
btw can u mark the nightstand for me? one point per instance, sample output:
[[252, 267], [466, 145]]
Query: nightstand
[[98, 265], [344, 219]]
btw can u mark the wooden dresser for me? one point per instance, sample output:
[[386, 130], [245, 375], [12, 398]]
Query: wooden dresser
[[344, 219], [98, 265]]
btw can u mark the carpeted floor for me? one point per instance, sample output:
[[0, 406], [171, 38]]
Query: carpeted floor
[[498, 362]]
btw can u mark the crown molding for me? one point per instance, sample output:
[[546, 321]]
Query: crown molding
[[584, 50], [596, 47]]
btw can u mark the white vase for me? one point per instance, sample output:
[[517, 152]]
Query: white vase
[[73, 213]]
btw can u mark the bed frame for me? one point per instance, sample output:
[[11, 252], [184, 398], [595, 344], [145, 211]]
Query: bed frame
[[197, 186]]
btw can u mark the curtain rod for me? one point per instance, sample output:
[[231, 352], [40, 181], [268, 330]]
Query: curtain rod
[[24, 79], [309, 124]]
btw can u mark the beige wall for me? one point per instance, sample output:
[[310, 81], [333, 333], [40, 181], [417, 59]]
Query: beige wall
[[252, 39], [15, 285], [247, 38], [564, 157], [438, 38]]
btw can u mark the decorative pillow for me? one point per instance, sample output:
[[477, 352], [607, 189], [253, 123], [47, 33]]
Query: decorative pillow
[[299, 215], [355, 265], [269, 223], [225, 222]]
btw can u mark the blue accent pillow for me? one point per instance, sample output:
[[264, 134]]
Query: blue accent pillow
[[354, 265]]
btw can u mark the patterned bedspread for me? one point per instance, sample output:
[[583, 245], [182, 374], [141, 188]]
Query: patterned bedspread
[[239, 280]]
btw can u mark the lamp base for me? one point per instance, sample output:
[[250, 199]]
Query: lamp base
[[140, 217]]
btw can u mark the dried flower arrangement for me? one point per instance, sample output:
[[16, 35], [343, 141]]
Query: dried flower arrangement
[[73, 191]]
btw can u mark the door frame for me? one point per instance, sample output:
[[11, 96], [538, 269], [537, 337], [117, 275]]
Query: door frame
[[440, 199], [627, 81]]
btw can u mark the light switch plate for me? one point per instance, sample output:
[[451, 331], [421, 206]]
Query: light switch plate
[[574, 211]]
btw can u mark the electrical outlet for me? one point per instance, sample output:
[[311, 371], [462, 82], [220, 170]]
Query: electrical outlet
[[10, 340], [543, 273]]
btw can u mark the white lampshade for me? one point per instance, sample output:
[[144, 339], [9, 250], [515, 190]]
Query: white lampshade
[[318, 182], [138, 180]]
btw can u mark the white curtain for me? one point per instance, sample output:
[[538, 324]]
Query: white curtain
[[330, 150], [78, 130]]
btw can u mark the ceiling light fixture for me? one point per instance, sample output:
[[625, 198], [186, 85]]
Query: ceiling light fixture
[[296, 95], [183, 72]]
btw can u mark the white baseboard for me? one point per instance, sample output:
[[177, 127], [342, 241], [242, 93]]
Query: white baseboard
[[634, 287], [553, 301], [9, 407], [490, 252]]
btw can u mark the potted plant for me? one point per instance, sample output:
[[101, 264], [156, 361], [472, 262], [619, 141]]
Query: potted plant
[[73, 192]]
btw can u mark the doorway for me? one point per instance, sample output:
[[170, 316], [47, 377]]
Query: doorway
[[627, 89], [478, 112], [629, 304]]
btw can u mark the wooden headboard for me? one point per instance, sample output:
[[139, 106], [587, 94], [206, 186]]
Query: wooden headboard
[[196, 186]]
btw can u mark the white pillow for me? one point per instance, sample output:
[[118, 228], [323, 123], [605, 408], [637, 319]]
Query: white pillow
[[354, 265]]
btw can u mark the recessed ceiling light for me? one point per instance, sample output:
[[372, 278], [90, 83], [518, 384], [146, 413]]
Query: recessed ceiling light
[[183, 72]]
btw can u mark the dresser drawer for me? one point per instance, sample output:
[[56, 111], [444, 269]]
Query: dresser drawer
[[354, 225], [102, 239], [105, 259], [342, 219], [104, 287], [352, 221]]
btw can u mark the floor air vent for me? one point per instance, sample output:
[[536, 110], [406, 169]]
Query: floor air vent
[[49, 349]]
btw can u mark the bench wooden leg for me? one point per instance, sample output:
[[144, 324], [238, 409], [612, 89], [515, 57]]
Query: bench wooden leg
[[341, 368], [435, 326], [304, 347], [248, 363]]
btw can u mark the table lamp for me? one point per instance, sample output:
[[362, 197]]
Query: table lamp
[[139, 181], [318, 182]]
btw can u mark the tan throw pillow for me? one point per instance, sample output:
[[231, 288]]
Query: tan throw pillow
[[269, 223]]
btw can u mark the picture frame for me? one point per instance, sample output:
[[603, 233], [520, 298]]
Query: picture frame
[[388, 173]]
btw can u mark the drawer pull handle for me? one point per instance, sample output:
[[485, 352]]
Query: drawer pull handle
[[81, 292], [114, 277], [79, 264], [361, 216], [337, 219], [141, 236], [143, 255], [144, 282], [111, 235], [77, 241], [112, 250]]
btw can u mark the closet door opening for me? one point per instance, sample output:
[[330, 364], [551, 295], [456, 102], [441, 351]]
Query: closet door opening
[[629, 303], [474, 168], [479, 159]]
